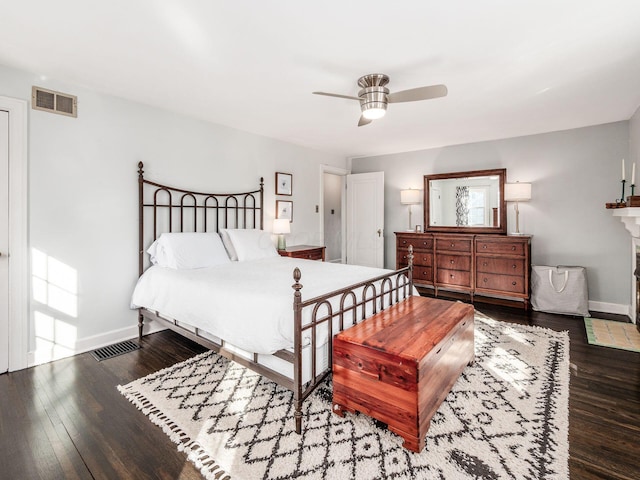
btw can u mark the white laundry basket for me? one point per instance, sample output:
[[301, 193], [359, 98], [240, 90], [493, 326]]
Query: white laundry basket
[[560, 289]]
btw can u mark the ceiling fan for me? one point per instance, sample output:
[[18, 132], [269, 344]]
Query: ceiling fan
[[375, 96]]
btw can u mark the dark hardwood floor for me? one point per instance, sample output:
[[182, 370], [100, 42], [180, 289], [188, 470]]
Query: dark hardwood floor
[[66, 419]]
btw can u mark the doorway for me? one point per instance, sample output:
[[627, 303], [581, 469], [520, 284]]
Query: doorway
[[333, 197], [13, 235], [4, 241]]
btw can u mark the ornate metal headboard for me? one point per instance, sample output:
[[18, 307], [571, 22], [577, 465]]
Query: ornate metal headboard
[[178, 210]]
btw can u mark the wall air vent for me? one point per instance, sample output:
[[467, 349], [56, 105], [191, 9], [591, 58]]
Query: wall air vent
[[54, 102]]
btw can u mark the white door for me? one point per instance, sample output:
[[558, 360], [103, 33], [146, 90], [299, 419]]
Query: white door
[[4, 241], [365, 219]]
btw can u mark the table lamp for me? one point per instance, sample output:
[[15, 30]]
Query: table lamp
[[280, 227], [410, 197], [517, 192]]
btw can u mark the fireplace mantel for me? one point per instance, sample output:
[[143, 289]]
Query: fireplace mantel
[[631, 218]]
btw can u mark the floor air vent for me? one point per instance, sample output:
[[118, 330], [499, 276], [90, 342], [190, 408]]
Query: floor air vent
[[114, 350]]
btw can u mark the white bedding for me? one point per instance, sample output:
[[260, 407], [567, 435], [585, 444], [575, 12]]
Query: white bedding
[[249, 304]]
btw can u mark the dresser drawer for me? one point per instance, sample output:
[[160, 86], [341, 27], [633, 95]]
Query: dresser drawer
[[309, 253], [502, 283], [424, 259], [454, 262], [504, 266], [453, 244], [314, 255], [501, 247], [424, 242], [423, 275], [453, 277]]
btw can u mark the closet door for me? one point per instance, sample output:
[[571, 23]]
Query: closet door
[[4, 241], [365, 219]]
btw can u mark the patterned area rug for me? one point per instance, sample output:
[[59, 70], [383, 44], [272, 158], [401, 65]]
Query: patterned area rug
[[609, 333], [506, 418]]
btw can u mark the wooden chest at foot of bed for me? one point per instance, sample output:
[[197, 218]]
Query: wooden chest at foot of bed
[[399, 365]]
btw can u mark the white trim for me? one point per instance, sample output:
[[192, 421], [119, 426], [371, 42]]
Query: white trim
[[18, 233], [606, 307], [335, 171], [96, 341]]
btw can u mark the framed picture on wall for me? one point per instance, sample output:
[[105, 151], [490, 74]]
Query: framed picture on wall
[[284, 209], [284, 183]]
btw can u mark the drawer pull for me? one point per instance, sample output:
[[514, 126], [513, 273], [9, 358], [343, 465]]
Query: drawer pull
[[513, 283], [404, 257], [424, 273], [453, 244], [485, 280], [452, 262], [513, 247], [513, 266], [424, 243], [452, 276], [404, 242], [484, 246], [484, 264]]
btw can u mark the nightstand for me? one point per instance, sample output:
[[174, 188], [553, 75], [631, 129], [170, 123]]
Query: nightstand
[[309, 252]]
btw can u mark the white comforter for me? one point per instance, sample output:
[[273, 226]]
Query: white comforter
[[249, 304]]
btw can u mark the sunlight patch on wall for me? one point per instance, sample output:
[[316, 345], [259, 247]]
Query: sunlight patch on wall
[[55, 284], [54, 338], [55, 288]]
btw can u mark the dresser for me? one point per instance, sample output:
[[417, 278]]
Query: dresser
[[477, 264]]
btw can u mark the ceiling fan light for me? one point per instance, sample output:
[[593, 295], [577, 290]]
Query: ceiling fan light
[[374, 112]]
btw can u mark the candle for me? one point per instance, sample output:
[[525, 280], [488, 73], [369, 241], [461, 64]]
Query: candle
[[623, 169], [633, 173]]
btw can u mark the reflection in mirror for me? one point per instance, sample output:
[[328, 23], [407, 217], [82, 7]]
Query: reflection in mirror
[[466, 201]]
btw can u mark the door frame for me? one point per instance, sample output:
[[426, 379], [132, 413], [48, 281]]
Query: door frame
[[18, 233], [343, 224]]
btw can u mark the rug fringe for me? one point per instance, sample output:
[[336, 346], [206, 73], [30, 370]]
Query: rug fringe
[[209, 468]]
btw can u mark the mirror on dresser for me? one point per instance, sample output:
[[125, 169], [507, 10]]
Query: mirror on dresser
[[466, 202]]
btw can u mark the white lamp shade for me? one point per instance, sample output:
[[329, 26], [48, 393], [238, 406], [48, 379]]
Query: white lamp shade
[[410, 197], [517, 192], [281, 226]]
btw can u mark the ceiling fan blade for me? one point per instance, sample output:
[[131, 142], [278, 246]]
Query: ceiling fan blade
[[420, 93], [336, 95], [364, 121]]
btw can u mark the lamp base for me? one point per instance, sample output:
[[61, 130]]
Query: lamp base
[[282, 244]]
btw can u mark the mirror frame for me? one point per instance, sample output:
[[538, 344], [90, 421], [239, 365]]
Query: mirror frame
[[500, 229]]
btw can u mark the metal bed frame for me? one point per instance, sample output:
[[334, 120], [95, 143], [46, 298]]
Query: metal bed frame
[[209, 212]]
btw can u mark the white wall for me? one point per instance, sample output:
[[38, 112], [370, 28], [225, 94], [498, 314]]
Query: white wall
[[83, 216], [574, 173], [634, 140]]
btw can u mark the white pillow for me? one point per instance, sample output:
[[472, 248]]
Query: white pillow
[[252, 244], [224, 233], [188, 250]]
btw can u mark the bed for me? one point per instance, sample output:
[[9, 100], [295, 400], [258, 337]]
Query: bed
[[244, 306]]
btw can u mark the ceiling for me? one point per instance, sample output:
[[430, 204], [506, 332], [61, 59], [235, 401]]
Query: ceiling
[[512, 67]]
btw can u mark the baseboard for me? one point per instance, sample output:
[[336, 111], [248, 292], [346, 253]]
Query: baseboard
[[87, 344], [606, 307]]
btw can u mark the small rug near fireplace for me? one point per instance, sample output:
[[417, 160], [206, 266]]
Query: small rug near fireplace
[[506, 418], [609, 333]]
